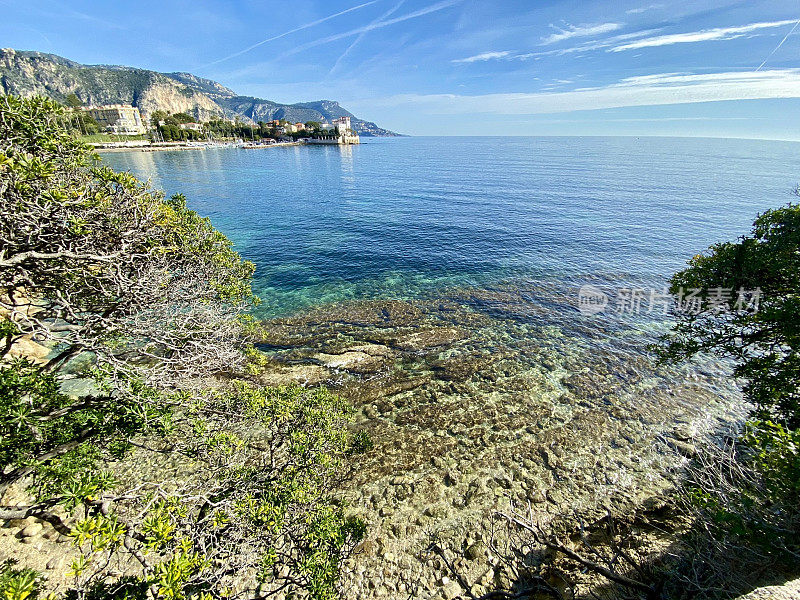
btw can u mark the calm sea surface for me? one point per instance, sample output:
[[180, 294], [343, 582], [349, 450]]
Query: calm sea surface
[[403, 217]]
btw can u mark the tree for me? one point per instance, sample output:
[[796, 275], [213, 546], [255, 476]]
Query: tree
[[172, 133], [184, 118], [749, 295], [157, 116], [89, 125], [153, 300], [745, 496], [72, 101]]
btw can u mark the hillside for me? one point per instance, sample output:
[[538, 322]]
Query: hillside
[[26, 73]]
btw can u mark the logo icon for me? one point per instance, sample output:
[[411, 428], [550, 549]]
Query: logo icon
[[591, 300]]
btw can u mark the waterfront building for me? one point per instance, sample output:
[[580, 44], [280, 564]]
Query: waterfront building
[[338, 133], [117, 118], [342, 125]]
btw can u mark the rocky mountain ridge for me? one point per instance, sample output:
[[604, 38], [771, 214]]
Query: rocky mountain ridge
[[26, 73]]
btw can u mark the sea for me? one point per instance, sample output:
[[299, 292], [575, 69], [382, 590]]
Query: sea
[[407, 217]]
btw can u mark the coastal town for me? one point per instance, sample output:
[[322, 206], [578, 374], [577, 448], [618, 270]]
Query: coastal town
[[123, 126]]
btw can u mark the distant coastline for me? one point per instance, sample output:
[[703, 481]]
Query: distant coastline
[[160, 147]]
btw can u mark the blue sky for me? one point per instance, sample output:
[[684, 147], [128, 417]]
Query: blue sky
[[462, 67]]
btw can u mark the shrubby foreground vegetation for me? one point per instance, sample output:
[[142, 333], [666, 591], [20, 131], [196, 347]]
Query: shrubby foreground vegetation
[[149, 301], [744, 494]]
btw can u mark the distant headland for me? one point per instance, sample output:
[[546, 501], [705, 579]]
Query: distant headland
[[27, 73]]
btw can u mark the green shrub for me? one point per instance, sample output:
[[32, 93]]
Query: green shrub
[[145, 299], [746, 495]]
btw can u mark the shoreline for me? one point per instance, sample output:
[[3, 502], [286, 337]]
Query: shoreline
[[163, 147], [149, 147]]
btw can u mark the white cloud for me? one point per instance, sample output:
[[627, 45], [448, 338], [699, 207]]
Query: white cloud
[[595, 44], [572, 31], [642, 9], [648, 90], [483, 57], [718, 33], [584, 47], [656, 78]]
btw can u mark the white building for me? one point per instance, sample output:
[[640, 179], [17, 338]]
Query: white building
[[342, 125], [339, 133], [117, 118]]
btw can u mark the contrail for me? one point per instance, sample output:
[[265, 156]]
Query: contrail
[[775, 49], [296, 29], [372, 26], [361, 35]]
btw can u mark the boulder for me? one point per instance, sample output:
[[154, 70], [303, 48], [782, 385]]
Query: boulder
[[31, 530], [298, 374], [788, 591]]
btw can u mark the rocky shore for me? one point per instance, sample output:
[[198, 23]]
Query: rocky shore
[[474, 400], [487, 397]]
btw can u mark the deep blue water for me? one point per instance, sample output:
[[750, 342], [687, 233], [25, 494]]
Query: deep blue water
[[406, 216]]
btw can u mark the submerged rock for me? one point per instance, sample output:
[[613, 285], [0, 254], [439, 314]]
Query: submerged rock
[[354, 361], [430, 338], [481, 398], [79, 388]]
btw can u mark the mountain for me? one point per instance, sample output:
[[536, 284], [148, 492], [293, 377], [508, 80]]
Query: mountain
[[26, 73]]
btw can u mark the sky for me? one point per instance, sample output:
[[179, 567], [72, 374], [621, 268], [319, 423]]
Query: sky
[[462, 67]]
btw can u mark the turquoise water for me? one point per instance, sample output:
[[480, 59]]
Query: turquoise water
[[406, 217]]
